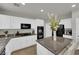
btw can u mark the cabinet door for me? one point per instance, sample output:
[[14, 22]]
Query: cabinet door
[[42, 50], [15, 22], [77, 27], [48, 30], [4, 22]]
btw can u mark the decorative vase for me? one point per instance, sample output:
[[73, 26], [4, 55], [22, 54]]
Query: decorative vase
[[54, 35], [6, 36]]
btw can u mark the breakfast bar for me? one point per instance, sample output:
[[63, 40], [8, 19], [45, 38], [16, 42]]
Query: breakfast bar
[[55, 47]]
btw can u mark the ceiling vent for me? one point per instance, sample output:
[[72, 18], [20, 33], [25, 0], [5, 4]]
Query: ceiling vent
[[17, 4]]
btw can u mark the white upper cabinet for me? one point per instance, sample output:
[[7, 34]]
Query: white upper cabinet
[[4, 22], [66, 22], [40, 22], [15, 22], [12, 22]]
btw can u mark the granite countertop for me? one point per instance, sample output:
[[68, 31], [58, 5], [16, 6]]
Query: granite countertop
[[57, 46], [3, 43], [15, 36]]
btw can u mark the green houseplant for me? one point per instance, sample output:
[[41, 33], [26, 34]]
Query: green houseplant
[[54, 24]]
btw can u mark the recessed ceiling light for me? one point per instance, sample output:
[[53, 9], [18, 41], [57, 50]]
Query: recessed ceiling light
[[23, 3], [73, 5], [42, 10]]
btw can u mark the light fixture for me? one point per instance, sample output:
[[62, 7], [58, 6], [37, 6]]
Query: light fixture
[[23, 3], [73, 5], [42, 10]]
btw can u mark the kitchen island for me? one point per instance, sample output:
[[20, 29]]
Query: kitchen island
[[5, 44], [55, 47], [20, 42]]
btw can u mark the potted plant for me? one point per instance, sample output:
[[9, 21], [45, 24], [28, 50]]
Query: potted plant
[[54, 23]]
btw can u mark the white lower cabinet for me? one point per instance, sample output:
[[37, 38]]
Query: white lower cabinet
[[42, 50], [19, 43]]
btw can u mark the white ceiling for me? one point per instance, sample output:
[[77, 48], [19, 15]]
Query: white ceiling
[[32, 10]]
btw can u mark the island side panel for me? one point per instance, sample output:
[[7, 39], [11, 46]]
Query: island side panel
[[42, 50]]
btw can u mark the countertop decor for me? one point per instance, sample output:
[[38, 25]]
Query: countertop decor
[[54, 23]]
